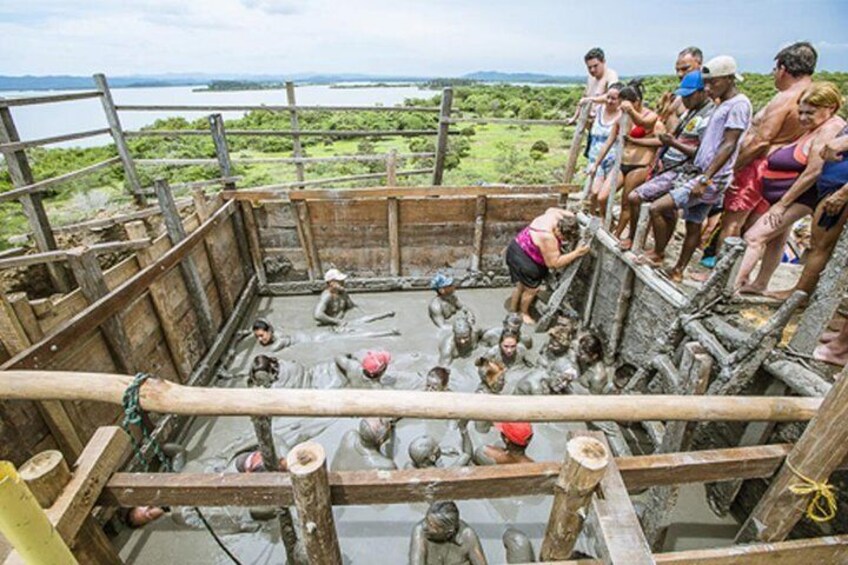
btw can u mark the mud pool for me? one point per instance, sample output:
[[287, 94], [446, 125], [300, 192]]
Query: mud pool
[[372, 535]]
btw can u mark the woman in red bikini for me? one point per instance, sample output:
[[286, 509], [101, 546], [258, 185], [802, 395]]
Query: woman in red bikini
[[535, 250], [789, 185]]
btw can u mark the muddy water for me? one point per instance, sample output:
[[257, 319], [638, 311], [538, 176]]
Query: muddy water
[[371, 535]]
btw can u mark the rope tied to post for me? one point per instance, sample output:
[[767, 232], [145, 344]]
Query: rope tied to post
[[822, 506], [134, 416]]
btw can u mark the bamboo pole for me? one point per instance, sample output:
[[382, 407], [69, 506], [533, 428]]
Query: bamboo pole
[[159, 395], [307, 465], [585, 463], [26, 525]]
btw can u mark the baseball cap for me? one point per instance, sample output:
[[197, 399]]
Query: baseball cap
[[441, 280], [376, 361], [693, 82], [721, 66], [334, 275], [518, 433]]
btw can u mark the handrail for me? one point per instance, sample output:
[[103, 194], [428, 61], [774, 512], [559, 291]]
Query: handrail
[[48, 98], [271, 193], [166, 397], [18, 145], [508, 121], [269, 107], [284, 132], [47, 183], [286, 160]]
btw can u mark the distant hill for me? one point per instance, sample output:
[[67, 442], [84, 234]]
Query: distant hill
[[497, 76]]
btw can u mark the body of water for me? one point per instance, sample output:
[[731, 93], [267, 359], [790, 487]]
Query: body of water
[[46, 120]]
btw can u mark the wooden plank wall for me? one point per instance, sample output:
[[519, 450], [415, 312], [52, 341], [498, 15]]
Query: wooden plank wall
[[23, 431]]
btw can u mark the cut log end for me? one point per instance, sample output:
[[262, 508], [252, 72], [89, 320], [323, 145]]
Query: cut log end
[[46, 474], [588, 452], [305, 458]]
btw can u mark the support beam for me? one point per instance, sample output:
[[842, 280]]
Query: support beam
[[479, 231], [131, 175], [191, 275], [297, 149], [216, 254], [393, 221], [307, 465], [442, 139], [305, 221], [576, 143], [816, 455], [391, 168], [89, 276], [585, 463], [251, 228], [21, 175]]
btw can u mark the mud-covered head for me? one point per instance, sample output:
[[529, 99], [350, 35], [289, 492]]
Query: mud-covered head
[[518, 547], [508, 344], [443, 284], [263, 331], [561, 336], [560, 374], [335, 279], [263, 370], [590, 348], [374, 431], [568, 231], [492, 373], [441, 523], [424, 451], [513, 322], [437, 379], [462, 331], [375, 363]]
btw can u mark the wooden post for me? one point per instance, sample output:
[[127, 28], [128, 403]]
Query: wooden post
[[695, 367], [89, 276], [133, 182], [642, 225], [816, 455], [297, 149], [262, 427], [576, 142], [585, 463], [26, 315], [479, 232], [308, 240], [46, 475], [825, 299], [191, 276], [21, 175], [307, 465], [215, 255], [222, 152], [394, 236], [391, 168], [442, 139], [254, 245], [623, 129]]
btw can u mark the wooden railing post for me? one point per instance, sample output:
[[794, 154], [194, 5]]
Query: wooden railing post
[[89, 275], [623, 129], [297, 148], [222, 152], [262, 427], [585, 463], [133, 182], [479, 230], [442, 139], [307, 465], [816, 455], [576, 142], [21, 175], [391, 168], [191, 276]]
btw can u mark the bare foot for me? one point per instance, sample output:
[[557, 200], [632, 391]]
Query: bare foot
[[698, 276], [674, 274], [650, 258], [830, 355], [750, 288], [779, 294], [528, 319], [625, 244], [828, 336]]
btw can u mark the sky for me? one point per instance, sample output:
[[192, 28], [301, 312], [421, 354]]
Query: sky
[[404, 37]]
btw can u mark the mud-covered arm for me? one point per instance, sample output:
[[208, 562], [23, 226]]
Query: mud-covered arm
[[471, 543], [320, 313], [437, 315], [347, 365], [446, 350], [418, 546]]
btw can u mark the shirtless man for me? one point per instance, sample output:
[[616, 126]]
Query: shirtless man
[[425, 453], [600, 77], [441, 538], [774, 126], [360, 449], [492, 373], [460, 343], [514, 323], [508, 351], [594, 375], [345, 371], [367, 373], [516, 437], [446, 304], [560, 338], [556, 379], [335, 302]]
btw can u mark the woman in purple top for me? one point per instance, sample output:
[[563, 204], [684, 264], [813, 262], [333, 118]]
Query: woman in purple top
[[535, 250]]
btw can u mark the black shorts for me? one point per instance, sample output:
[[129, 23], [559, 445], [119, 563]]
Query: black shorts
[[522, 269]]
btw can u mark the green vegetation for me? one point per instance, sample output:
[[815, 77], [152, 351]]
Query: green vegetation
[[479, 153]]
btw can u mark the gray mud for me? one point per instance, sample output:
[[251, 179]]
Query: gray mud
[[372, 535]]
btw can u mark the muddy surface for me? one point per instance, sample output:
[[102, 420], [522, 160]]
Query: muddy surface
[[372, 534]]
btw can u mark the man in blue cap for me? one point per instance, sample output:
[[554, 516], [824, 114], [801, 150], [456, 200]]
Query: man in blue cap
[[678, 149], [446, 304]]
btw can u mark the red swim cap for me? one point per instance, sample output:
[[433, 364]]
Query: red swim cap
[[518, 433], [376, 361]]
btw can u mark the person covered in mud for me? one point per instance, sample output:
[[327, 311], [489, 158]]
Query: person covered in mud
[[446, 303], [263, 331], [425, 452], [460, 343], [367, 373], [516, 438], [361, 449], [442, 538], [492, 373], [517, 547], [560, 340], [345, 371], [253, 462], [335, 303], [509, 350], [514, 323], [437, 380], [594, 374], [555, 379]]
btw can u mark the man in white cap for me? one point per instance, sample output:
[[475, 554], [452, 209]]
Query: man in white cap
[[714, 160], [335, 302]]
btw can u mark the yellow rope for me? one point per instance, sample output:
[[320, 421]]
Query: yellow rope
[[822, 506]]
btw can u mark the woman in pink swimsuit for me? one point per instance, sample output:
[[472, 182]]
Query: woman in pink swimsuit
[[536, 249]]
